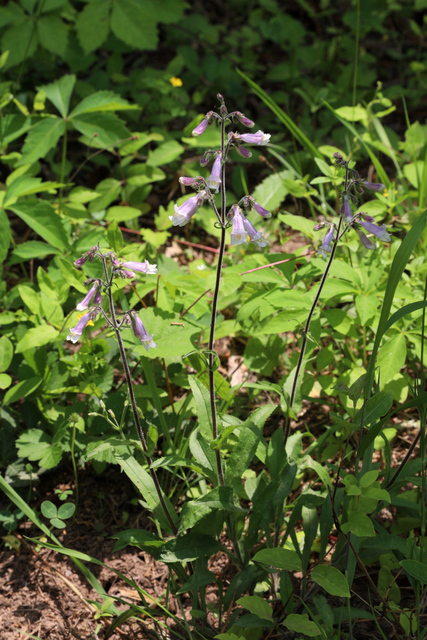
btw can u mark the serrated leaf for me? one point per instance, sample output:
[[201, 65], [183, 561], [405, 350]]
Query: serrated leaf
[[258, 606], [331, 580], [271, 192], [22, 389], [53, 34], [19, 40], [6, 353], [135, 25], [59, 93], [279, 558], [40, 216], [36, 337], [41, 139], [93, 13], [101, 130], [101, 101]]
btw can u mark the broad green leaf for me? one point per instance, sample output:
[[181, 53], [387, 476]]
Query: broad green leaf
[[36, 337], [4, 236], [413, 172], [40, 216], [66, 510], [22, 389], [56, 522], [405, 311], [108, 191], [258, 606], [377, 406], [19, 40], [220, 498], [189, 547], [134, 24], [41, 139], [243, 452], [368, 478], [366, 306], [279, 558], [6, 353], [53, 34], [298, 223], [31, 299], [309, 463], [25, 186], [141, 174], [391, 357], [416, 569], [122, 214], [5, 381], [271, 192], [203, 454], [48, 509], [101, 101], [200, 578], [301, 624], [100, 129], [165, 153], [353, 114], [204, 411], [331, 580], [93, 13], [72, 276], [137, 538], [359, 524], [114, 237], [59, 92]]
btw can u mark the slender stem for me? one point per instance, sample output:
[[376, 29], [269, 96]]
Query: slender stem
[[211, 356], [73, 460], [307, 329], [63, 161], [133, 401]]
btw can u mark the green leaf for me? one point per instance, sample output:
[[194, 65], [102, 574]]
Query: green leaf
[[31, 249], [41, 139], [165, 153], [114, 237], [66, 510], [72, 276], [359, 524], [200, 578], [243, 451], [301, 624], [204, 413], [279, 558], [48, 509], [19, 40], [258, 606], [22, 389], [135, 25], [59, 93], [220, 498], [101, 101], [298, 223], [26, 185], [40, 216], [271, 192], [4, 236], [416, 569], [391, 357], [366, 306], [352, 114], [53, 34], [108, 191], [55, 522], [30, 298], [36, 337], [93, 13], [331, 580], [189, 547], [101, 130], [122, 214], [5, 381], [405, 311], [6, 353]]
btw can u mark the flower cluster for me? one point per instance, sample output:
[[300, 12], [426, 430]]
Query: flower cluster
[[242, 229], [360, 221]]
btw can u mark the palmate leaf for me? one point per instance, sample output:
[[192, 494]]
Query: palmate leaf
[[96, 12], [59, 93], [53, 34], [135, 24], [41, 139], [19, 41], [101, 130]]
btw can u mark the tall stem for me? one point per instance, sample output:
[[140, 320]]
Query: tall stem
[[133, 401], [307, 329], [211, 357]]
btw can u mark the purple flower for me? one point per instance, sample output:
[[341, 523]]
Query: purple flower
[[346, 210], [254, 235], [365, 241], [202, 126], [380, 232], [84, 304], [262, 212], [141, 332], [245, 153], [186, 211], [142, 267], [214, 179], [76, 332], [260, 138], [97, 299], [190, 182], [80, 262], [325, 248], [238, 231], [374, 186], [244, 120]]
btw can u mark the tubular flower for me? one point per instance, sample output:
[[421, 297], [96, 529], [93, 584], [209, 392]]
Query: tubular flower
[[76, 332], [190, 182], [254, 235], [238, 232], [380, 232], [262, 212], [374, 186], [214, 179], [244, 120], [186, 211], [365, 241], [245, 153], [141, 332], [260, 138], [142, 267], [346, 210], [84, 304], [325, 247], [201, 128]]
